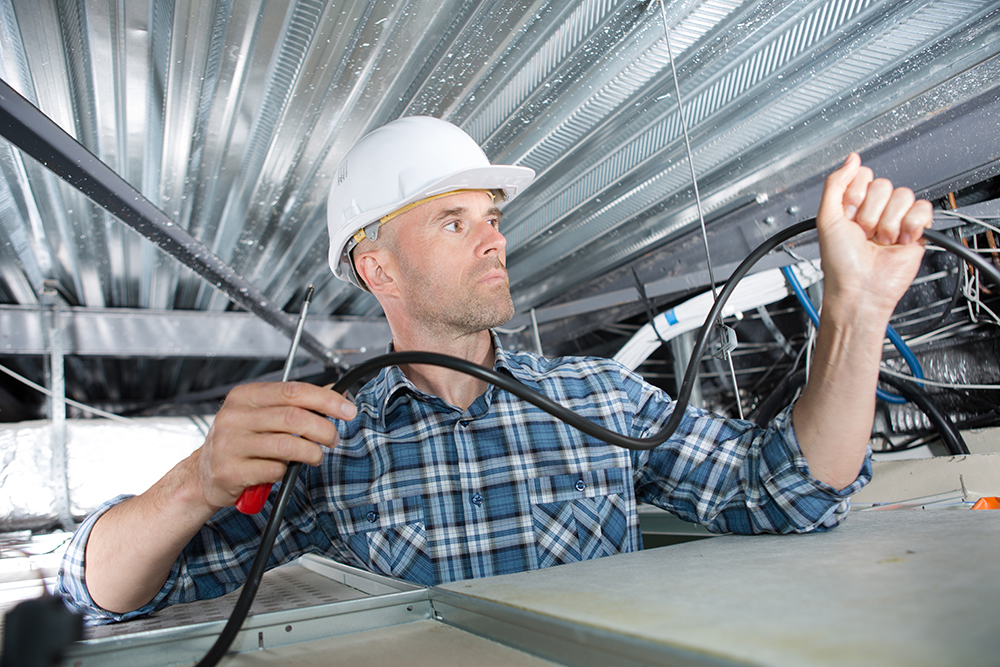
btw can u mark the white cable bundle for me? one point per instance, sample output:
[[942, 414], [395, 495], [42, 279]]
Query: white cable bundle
[[753, 291]]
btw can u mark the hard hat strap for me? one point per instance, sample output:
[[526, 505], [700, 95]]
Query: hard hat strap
[[371, 231]]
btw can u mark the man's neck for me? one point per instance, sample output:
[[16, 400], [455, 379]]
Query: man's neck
[[455, 388]]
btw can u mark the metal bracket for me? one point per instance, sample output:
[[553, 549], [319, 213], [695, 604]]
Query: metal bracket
[[727, 341]]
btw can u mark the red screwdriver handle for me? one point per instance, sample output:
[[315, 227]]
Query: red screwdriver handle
[[253, 498]]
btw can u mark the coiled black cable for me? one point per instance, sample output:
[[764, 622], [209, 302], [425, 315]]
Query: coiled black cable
[[943, 425], [946, 429], [242, 606]]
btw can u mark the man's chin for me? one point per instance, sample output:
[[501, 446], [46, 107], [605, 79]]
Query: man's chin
[[503, 318], [494, 313], [505, 306]]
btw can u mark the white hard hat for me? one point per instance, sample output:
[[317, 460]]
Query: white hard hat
[[402, 163]]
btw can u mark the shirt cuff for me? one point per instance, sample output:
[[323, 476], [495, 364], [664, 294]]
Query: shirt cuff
[[816, 505]]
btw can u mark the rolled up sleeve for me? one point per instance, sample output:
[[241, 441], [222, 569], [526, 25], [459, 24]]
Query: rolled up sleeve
[[732, 476], [70, 581], [213, 563]]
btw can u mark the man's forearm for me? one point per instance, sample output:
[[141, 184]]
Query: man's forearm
[[260, 427], [869, 238], [133, 546], [833, 418]]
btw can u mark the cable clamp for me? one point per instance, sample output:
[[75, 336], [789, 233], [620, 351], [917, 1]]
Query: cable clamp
[[727, 341]]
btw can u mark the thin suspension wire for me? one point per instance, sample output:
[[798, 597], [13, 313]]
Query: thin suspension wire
[[687, 146], [697, 200], [87, 408], [736, 389]]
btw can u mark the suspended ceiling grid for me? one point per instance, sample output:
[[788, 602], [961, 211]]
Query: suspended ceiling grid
[[231, 118]]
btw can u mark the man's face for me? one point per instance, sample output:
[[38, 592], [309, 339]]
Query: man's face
[[452, 263]]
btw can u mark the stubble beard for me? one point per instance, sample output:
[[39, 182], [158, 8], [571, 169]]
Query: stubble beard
[[485, 311], [479, 309]]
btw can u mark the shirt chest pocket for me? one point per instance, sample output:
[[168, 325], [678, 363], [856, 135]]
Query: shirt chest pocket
[[389, 538], [580, 516]]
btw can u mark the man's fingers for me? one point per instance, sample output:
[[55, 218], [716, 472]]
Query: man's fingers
[[887, 215], [857, 192], [277, 420], [832, 205], [283, 448], [233, 476], [247, 459], [262, 426], [881, 214], [299, 394], [919, 217], [259, 471], [868, 197]]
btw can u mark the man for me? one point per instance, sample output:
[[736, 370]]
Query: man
[[435, 476]]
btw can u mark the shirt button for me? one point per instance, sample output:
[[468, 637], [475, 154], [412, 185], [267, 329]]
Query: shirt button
[[372, 517], [580, 486], [477, 499], [464, 422]]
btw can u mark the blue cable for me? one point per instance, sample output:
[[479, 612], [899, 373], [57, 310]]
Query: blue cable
[[895, 338], [906, 353]]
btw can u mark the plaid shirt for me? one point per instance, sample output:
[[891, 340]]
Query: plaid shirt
[[420, 490]]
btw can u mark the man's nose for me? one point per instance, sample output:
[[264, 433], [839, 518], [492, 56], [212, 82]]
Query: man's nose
[[491, 240]]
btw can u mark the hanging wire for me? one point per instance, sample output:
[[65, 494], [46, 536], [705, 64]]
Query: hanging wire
[[687, 147], [728, 336], [641, 289], [87, 408]]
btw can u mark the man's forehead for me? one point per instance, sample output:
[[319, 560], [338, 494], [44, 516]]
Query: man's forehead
[[457, 204], [488, 210]]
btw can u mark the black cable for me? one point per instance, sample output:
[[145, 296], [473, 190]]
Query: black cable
[[979, 421], [641, 289], [256, 573], [968, 255], [950, 435], [919, 440], [513, 386], [943, 316], [779, 397]]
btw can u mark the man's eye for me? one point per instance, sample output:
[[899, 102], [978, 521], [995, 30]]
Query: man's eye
[[452, 226], [495, 223]]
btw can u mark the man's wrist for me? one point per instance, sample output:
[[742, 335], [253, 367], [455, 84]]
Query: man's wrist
[[858, 312], [181, 491]]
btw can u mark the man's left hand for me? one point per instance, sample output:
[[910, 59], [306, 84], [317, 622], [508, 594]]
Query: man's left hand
[[870, 236]]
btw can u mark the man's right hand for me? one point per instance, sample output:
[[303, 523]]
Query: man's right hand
[[259, 429]]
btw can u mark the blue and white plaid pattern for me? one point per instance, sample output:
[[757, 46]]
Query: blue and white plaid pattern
[[421, 490]]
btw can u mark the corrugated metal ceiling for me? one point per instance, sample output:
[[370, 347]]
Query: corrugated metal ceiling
[[232, 116]]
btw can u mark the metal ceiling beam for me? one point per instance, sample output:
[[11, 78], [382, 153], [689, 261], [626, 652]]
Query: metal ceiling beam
[[816, 71], [33, 132], [662, 287], [125, 332], [934, 153]]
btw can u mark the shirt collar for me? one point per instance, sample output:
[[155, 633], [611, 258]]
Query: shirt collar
[[501, 359], [392, 383]]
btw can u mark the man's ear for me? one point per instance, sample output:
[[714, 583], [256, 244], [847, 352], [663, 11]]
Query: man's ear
[[372, 268]]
